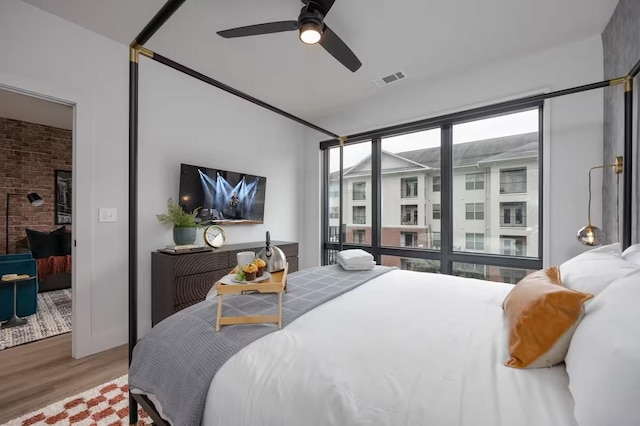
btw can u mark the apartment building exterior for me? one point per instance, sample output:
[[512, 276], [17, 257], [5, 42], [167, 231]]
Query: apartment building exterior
[[495, 202]]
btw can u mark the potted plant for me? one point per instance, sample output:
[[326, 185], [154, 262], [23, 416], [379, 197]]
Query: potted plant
[[184, 224]]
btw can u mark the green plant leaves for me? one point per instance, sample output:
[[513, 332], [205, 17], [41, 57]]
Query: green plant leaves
[[177, 217]]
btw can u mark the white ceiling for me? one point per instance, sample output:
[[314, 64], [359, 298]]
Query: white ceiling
[[35, 110], [424, 38]]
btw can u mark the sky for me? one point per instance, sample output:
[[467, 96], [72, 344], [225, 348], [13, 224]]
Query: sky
[[504, 125]]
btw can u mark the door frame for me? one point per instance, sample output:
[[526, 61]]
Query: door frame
[[81, 335]]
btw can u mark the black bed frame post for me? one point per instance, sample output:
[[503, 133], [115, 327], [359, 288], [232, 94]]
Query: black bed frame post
[[627, 209], [627, 206], [133, 215], [324, 218], [341, 233], [134, 55]]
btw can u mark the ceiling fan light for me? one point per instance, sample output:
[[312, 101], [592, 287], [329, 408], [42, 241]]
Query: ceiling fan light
[[310, 32]]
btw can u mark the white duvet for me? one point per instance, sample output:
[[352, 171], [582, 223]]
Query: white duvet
[[405, 348]]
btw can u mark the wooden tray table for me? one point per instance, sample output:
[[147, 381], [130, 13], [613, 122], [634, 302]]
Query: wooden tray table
[[276, 284]]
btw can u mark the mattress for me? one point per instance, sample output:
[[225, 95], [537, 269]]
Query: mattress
[[406, 348]]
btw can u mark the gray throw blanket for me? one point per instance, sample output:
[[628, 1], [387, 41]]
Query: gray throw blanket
[[176, 361]]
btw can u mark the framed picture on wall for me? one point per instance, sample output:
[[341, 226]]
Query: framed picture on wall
[[63, 197]]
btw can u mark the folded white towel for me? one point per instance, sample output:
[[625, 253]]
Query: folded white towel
[[357, 263], [351, 267], [354, 256]]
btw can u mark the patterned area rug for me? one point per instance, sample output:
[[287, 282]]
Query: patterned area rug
[[53, 318], [107, 404]]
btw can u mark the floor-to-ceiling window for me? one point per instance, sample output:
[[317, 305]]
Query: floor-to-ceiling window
[[460, 195]]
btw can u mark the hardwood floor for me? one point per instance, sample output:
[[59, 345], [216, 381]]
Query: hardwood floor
[[37, 374]]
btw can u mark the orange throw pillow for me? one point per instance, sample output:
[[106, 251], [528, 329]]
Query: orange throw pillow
[[542, 316]]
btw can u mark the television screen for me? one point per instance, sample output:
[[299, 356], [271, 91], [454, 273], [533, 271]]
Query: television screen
[[222, 195]]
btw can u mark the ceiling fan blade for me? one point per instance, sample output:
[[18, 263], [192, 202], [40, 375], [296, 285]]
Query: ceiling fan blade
[[336, 47], [327, 4], [251, 30]]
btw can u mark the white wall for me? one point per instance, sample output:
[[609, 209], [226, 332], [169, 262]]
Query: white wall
[[183, 120], [573, 129], [44, 54]]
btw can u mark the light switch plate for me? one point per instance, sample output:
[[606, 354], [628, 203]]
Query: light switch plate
[[108, 215]]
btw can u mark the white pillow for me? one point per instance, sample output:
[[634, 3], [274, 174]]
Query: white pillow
[[632, 254], [592, 271], [603, 362]]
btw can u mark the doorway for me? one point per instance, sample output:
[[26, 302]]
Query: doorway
[[36, 146]]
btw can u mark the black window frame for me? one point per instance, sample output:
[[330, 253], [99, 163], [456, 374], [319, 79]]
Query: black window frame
[[447, 255]]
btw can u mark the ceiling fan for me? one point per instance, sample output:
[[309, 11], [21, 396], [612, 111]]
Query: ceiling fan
[[312, 30]]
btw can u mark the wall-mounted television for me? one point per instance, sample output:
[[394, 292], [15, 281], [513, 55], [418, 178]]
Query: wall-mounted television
[[222, 196]]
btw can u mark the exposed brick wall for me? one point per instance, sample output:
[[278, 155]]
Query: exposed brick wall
[[29, 155]]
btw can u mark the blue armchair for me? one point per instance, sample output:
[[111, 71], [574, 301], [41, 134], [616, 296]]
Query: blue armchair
[[27, 294], [15, 256]]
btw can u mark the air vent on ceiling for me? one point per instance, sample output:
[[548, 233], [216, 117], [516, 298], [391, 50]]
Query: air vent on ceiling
[[389, 79]]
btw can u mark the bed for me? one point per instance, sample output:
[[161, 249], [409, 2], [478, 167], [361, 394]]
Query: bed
[[410, 348], [402, 348]]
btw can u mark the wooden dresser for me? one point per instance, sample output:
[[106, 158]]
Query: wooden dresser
[[182, 280]]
